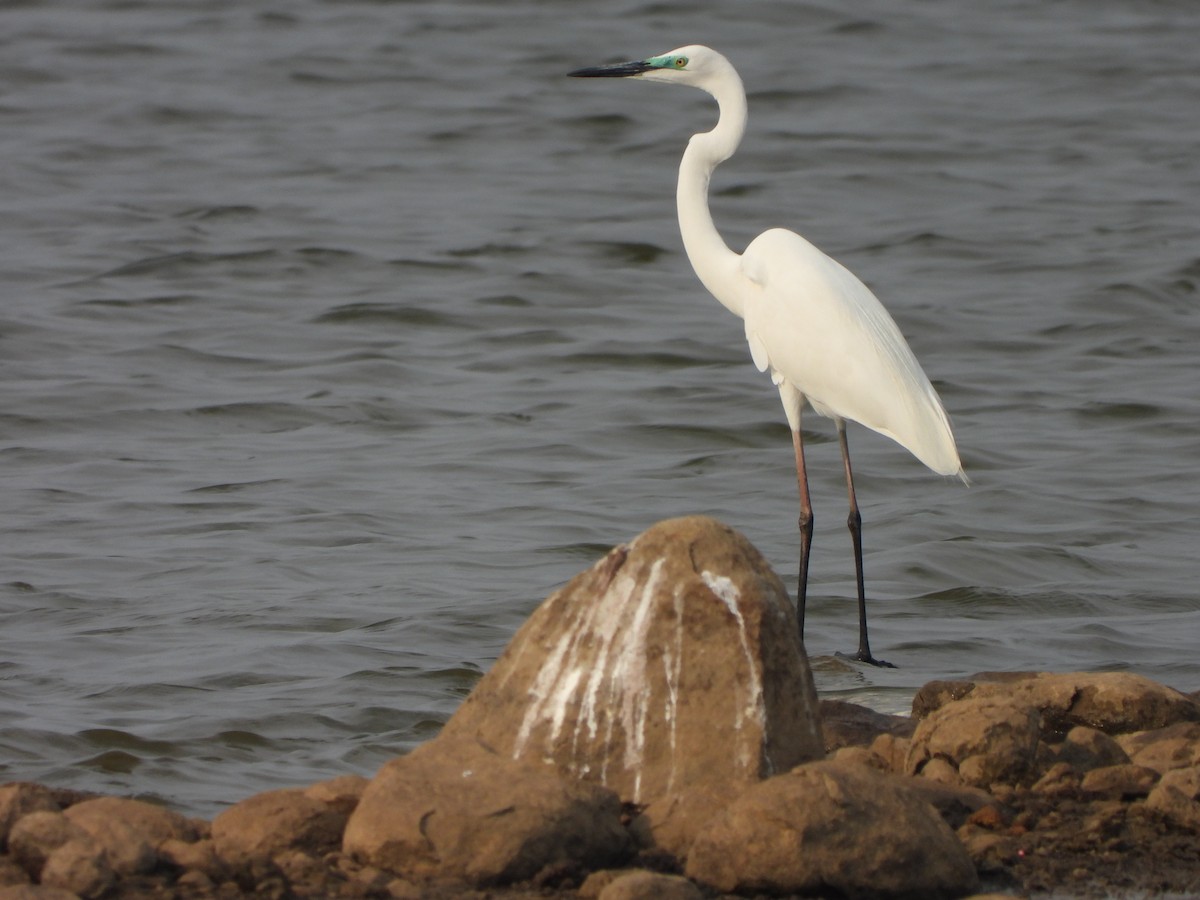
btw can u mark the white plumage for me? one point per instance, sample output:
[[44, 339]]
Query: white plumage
[[818, 330]]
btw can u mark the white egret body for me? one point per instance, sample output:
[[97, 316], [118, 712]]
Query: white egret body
[[820, 331]]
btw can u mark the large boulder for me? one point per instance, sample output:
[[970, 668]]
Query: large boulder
[[830, 828], [461, 813], [673, 661]]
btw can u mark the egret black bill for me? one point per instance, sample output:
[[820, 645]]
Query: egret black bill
[[616, 70]]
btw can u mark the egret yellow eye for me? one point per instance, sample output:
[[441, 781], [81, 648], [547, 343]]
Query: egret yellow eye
[[680, 62]]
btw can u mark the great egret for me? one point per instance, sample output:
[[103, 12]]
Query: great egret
[[819, 330]]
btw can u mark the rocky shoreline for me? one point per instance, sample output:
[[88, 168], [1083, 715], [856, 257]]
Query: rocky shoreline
[[652, 732]]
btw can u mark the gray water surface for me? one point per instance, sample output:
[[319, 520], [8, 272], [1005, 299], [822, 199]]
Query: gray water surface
[[334, 336]]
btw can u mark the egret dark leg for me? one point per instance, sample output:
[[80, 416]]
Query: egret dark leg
[[806, 528], [854, 522]]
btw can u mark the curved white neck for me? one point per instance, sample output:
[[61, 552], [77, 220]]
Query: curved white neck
[[715, 264]]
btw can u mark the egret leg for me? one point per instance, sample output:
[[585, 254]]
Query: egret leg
[[806, 527], [854, 522]]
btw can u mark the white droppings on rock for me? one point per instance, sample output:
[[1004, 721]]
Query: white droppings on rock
[[596, 675], [753, 705]]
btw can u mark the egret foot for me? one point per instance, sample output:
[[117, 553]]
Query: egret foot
[[868, 659]]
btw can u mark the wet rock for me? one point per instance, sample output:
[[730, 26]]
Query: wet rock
[[1177, 796], [464, 813], [1162, 749], [850, 725], [81, 867], [253, 831], [21, 798], [985, 739], [1121, 782], [936, 694], [673, 661], [826, 827]]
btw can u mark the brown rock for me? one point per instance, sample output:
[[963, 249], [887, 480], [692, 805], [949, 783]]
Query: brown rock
[[129, 830], [672, 823], [988, 739], [835, 829], [21, 798], [850, 725], [1177, 796], [1122, 782], [936, 694], [642, 885], [1162, 749], [860, 756], [941, 771], [154, 824], [954, 803], [256, 829], [36, 892], [11, 873], [36, 835], [79, 866], [341, 793], [987, 849], [673, 661], [1088, 748], [1112, 702], [892, 750], [1061, 778], [197, 856], [462, 813]]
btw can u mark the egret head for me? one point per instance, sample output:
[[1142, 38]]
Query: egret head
[[693, 65]]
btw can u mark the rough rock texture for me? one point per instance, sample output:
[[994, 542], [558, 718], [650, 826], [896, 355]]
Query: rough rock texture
[[673, 661], [643, 885], [35, 836], [79, 866], [36, 892], [259, 828], [828, 827], [672, 823], [986, 739], [851, 725], [1112, 702], [1177, 796], [1162, 749], [467, 814], [19, 799], [1070, 825]]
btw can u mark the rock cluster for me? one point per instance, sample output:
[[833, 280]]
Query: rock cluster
[[652, 732]]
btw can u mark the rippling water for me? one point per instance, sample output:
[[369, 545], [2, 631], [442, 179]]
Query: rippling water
[[335, 335]]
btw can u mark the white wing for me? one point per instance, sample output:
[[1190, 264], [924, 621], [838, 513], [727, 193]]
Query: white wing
[[817, 327]]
